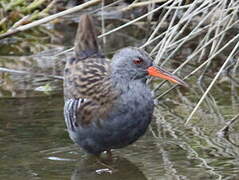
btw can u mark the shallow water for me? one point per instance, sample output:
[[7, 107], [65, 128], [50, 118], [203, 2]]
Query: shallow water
[[34, 143]]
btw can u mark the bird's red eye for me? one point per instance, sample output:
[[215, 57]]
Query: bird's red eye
[[138, 61]]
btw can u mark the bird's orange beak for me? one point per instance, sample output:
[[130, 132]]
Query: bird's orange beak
[[158, 72]]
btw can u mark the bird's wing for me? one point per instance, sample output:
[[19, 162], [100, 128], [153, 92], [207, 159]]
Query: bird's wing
[[88, 89]]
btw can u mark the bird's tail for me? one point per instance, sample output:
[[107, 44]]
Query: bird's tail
[[86, 43]]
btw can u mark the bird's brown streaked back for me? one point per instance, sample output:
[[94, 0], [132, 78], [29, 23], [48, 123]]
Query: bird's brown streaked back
[[87, 75]]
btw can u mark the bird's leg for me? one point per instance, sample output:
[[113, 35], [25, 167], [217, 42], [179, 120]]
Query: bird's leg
[[108, 158], [109, 155], [105, 162]]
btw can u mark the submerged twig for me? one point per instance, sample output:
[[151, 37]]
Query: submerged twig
[[225, 130]]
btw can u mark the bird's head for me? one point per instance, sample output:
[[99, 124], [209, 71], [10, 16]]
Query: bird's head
[[133, 63]]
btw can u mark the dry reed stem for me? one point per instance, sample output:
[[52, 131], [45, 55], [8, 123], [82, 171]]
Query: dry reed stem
[[140, 4], [182, 20], [196, 31], [168, 36], [135, 20]]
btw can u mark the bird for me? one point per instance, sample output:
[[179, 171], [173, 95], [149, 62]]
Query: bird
[[108, 104]]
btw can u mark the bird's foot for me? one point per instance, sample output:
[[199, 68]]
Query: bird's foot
[[109, 155], [106, 162]]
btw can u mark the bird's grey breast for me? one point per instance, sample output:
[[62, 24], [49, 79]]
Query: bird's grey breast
[[134, 105]]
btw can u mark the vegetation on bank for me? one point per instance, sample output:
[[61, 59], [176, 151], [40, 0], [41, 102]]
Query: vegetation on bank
[[15, 13]]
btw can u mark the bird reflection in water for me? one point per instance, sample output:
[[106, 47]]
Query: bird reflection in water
[[118, 169]]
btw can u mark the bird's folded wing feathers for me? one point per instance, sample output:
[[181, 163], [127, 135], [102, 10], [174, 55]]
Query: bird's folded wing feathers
[[89, 80], [87, 77]]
